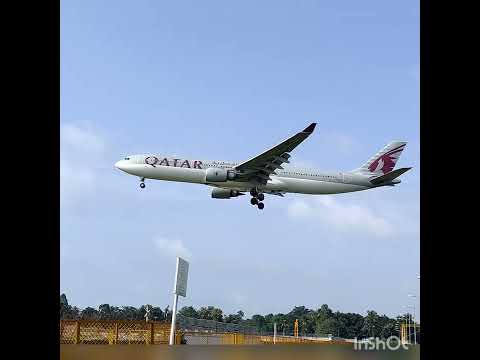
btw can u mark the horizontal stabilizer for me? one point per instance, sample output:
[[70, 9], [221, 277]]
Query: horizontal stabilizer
[[389, 176]]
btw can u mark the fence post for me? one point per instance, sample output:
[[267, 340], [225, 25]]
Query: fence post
[[152, 334], [274, 333], [116, 333], [77, 332]]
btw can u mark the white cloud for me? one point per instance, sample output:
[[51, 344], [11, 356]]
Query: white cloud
[[80, 152], [299, 209], [74, 181], [341, 216], [73, 136], [336, 140], [299, 162], [172, 247], [344, 142]]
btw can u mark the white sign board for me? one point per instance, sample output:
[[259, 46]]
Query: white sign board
[[181, 277]]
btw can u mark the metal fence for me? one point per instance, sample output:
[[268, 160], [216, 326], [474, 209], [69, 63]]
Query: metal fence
[[201, 338], [114, 332], [188, 324], [190, 331]]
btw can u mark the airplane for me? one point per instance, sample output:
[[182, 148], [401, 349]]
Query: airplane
[[267, 173]]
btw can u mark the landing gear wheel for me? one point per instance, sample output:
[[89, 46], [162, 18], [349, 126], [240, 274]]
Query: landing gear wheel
[[254, 192], [260, 197], [260, 205], [142, 185], [253, 201]]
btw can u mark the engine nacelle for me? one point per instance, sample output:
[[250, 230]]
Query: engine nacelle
[[218, 193], [219, 175]]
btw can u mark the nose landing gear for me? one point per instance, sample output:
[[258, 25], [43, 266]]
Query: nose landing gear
[[142, 182]]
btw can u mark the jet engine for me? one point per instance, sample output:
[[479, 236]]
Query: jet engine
[[218, 193], [219, 175]]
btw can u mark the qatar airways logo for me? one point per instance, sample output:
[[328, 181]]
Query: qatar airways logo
[[386, 162], [191, 164]]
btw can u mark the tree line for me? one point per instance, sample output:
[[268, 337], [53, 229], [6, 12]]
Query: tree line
[[108, 312], [322, 321]]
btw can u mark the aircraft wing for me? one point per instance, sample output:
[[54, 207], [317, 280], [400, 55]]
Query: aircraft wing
[[259, 168]]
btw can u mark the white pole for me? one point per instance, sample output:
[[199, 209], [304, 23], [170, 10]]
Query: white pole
[[414, 326], [174, 318], [414, 319], [274, 333], [408, 328]]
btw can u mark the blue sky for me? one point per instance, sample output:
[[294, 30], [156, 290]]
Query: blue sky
[[226, 80]]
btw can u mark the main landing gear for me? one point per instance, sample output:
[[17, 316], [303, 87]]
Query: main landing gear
[[257, 198], [142, 183]]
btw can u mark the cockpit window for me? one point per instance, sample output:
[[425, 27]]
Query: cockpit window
[[127, 158]]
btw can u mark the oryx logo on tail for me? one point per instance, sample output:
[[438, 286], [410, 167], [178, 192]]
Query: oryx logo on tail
[[384, 161]]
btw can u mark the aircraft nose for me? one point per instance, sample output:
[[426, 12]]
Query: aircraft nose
[[120, 165]]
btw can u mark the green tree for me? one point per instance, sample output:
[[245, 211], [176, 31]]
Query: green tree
[[89, 313], [129, 313], [371, 324], [210, 313], [64, 307], [326, 326], [157, 313], [235, 318], [141, 311], [325, 321], [350, 325], [188, 311], [324, 312], [63, 300], [389, 328], [298, 312], [105, 312], [259, 322]]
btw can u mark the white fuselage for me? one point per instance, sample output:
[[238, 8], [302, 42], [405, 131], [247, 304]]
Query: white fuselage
[[289, 180]]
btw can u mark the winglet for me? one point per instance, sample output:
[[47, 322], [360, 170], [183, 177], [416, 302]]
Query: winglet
[[310, 128]]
